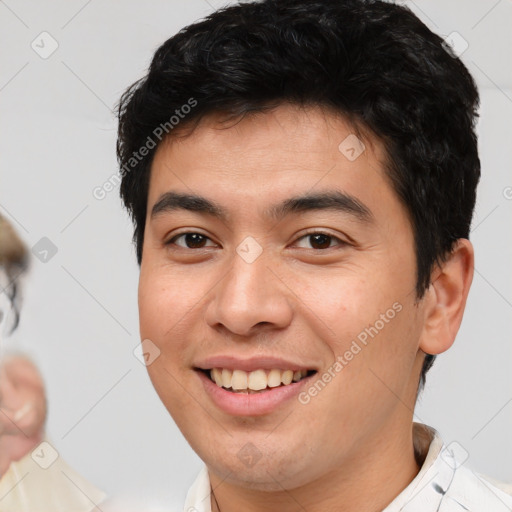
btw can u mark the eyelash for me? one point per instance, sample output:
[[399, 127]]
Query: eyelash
[[305, 235]]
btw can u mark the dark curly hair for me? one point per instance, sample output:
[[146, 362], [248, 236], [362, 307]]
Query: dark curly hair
[[373, 62]]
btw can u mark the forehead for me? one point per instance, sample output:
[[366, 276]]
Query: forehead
[[271, 156], [290, 128]]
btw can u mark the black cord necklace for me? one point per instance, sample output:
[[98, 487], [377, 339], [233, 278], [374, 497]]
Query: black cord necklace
[[215, 498]]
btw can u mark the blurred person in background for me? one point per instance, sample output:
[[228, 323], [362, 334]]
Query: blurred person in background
[[33, 477]]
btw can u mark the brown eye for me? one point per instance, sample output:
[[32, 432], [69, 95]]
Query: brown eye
[[190, 240], [319, 241]]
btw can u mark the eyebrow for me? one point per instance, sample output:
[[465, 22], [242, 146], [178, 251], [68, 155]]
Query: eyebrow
[[332, 200]]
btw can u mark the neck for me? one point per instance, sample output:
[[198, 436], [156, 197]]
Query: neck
[[369, 480]]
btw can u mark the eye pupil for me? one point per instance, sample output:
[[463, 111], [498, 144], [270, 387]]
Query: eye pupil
[[319, 239], [195, 240]]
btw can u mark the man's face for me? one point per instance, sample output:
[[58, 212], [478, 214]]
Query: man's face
[[293, 289]]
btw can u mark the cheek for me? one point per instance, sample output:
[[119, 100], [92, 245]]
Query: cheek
[[369, 320], [344, 303], [165, 300], [382, 373], [163, 310]]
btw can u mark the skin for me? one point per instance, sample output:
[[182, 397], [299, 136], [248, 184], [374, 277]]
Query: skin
[[22, 409], [350, 448]]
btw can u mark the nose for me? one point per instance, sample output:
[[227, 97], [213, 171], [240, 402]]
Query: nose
[[250, 297]]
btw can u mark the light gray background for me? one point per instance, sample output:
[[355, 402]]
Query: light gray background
[[80, 320]]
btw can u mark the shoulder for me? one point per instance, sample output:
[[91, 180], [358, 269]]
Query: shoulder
[[446, 484], [473, 491]]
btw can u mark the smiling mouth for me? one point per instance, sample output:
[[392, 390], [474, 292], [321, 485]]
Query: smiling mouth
[[258, 381]]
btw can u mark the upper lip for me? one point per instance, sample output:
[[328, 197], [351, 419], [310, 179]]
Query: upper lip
[[250, 364]]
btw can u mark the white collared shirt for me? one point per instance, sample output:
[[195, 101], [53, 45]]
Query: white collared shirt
[[443, 484]]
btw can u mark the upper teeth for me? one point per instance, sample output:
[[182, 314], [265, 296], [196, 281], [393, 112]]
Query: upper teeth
[[256, 380]]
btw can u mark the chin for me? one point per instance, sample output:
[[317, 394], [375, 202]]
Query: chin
[[266, 471]]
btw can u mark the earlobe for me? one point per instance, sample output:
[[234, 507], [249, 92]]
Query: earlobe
[[445, 299]]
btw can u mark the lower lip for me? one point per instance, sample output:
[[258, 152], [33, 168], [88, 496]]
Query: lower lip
[[251, 404]]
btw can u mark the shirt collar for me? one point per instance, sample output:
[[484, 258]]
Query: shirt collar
[[442, 484]]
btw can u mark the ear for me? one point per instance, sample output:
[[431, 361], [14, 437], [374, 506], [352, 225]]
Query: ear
[[445, 299]]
